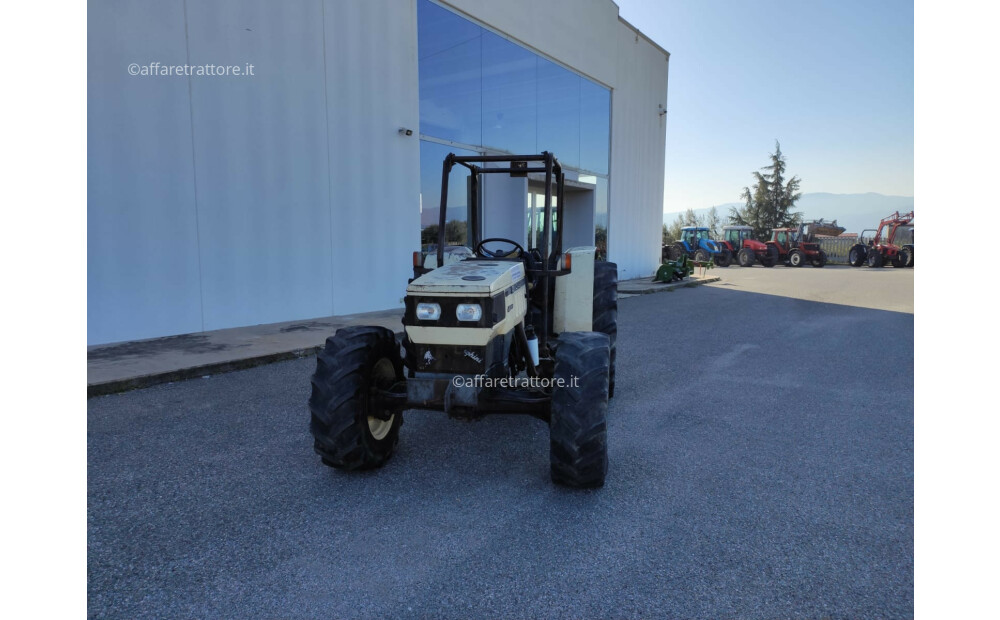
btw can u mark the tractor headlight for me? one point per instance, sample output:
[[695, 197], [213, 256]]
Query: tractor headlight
[[469, 312], [428, 312]]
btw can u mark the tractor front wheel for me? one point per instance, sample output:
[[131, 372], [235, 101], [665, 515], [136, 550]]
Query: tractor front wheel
[[347, 431], [857, 255], [875, 259], [745, 257], [900, 259], [820, 260], [724, 258], [578, 428], [702, 256], [796, 259]]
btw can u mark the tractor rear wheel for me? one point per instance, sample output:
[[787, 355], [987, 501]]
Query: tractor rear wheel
[[875, 259], [900, 259], [675, 251], [578, 437], [820, 260], [796, 259], [702, 256], [857, 255], [347, 433], [606, 310], [745, 257], [724, 258]]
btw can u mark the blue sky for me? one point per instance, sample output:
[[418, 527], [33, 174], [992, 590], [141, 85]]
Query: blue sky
[[833, 81]]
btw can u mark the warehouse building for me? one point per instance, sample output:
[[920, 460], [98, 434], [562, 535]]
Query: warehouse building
[[298, 182]]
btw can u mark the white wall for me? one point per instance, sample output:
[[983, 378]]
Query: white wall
[[638, 145], [226, 201], [142, 231]]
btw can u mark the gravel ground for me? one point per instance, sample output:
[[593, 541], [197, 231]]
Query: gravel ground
[[761, 467]]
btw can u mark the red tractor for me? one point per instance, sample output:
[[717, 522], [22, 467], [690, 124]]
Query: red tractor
[[747, 250], [796, 246], [880, 248]]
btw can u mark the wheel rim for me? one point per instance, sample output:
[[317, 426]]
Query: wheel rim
[[383, 376]]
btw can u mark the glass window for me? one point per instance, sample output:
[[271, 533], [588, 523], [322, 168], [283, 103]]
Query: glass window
[[432, 157], [595, 126], [449, 49], [508, 96], [558, 97], [481, 89]]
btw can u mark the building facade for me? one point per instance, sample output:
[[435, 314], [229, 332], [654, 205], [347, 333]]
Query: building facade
[[302, 189]]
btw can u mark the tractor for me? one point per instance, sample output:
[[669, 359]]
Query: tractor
[[747, 250], [795, 247], [880, 248], [508, 329], [697, 244]]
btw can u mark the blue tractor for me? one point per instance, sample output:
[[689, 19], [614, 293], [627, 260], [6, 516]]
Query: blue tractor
[[697, 244]]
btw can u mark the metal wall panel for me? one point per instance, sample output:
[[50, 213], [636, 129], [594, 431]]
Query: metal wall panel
[[260, 156], [371, 63], [225, 201], [638, 134], [142, 239]]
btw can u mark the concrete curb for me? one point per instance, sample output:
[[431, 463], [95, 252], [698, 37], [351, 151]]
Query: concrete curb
[[194, 372], [651, 287], [201, 370]]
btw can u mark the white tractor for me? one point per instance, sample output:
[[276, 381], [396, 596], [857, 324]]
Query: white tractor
[[492, 330]]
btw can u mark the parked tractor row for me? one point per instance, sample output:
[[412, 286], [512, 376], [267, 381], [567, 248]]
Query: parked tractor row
[[794, 247]]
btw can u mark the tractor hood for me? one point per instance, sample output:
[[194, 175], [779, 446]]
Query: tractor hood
[[470, 277]]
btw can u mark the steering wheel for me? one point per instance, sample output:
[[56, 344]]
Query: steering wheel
[[482, 251]]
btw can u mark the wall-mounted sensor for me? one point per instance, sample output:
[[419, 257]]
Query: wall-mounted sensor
[[403, 131]]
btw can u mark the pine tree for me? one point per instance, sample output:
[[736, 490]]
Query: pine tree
[[770, 202]]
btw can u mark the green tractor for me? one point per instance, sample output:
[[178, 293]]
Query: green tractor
[[508, 329]]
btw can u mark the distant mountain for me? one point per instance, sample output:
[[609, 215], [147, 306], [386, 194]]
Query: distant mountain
[[855, 212]]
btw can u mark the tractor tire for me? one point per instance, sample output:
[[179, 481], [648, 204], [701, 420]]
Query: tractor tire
[[745, 257], [875, 259], [857, 256], [676, 251], [355, 360], [900, 259], [724, 258], [606, 310], [702, 255], [578, 438], [909, 255], [820, 261], [773, 256], [796, 259]]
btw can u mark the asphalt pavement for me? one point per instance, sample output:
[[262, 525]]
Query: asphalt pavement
[[761, 466]]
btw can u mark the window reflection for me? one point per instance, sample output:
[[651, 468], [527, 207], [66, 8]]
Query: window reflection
[[431, 160], [595, 126], [480, 89], [450, 75], [508, 96]]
